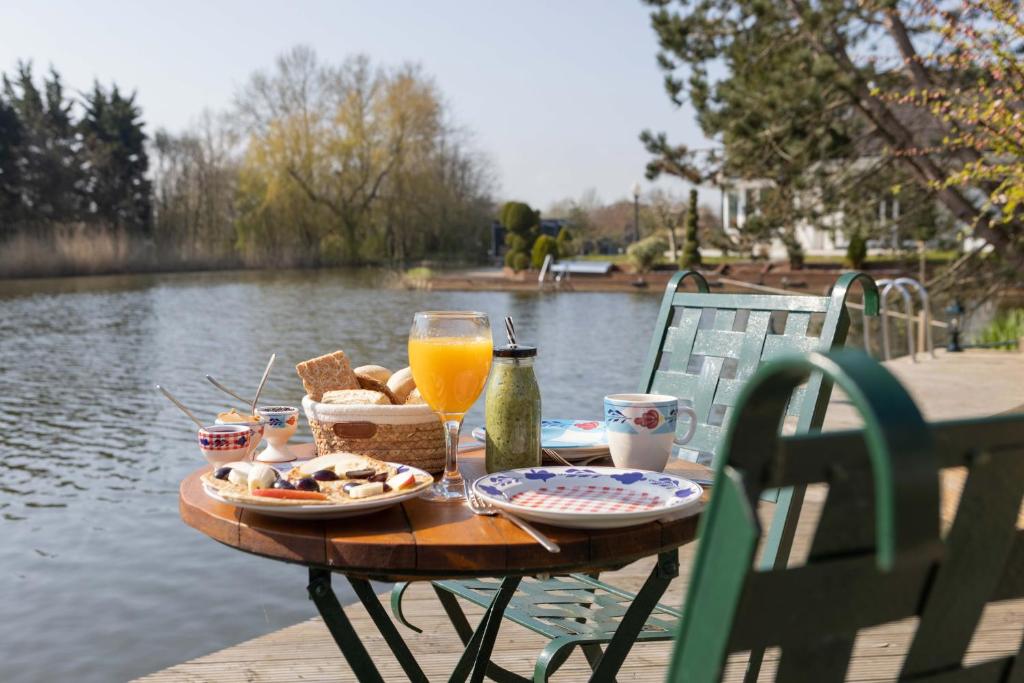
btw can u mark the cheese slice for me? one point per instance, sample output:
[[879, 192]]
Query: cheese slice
[[373, 488]]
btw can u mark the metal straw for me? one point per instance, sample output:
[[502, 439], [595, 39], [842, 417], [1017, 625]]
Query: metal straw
[[227, 391], [510, 330], [180, 405], [259, 389]]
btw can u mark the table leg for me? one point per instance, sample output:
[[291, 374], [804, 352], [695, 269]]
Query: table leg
[[387, 629], [478, 651], [633, 620], [345, 636]]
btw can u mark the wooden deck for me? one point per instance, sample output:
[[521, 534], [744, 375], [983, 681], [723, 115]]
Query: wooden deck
[[971, 384]]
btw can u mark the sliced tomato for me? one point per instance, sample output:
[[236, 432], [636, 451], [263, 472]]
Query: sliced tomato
[[293, 494]]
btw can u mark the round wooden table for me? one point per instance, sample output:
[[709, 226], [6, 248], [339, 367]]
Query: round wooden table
[[421, 540]]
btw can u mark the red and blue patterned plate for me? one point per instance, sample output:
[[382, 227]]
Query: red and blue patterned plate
[[573, 439], [589, 497]]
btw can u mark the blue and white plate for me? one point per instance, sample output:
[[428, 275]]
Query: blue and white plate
[[589, 497], [571, 438]]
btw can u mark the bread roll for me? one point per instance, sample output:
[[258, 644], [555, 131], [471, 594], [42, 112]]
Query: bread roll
[[414, 398], [355, 397], [379, 373], [401, 384], [370, 384]]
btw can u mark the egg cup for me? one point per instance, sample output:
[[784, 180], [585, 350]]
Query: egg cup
[[282, 421]]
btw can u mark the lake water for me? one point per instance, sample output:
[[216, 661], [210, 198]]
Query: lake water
[[102, 581]]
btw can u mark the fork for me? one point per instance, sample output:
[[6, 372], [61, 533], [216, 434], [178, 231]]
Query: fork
[[562, 461], [482, 507]]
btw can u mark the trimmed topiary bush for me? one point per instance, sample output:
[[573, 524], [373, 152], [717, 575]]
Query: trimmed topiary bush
[[646, 253], [520, 261], [545, 245]]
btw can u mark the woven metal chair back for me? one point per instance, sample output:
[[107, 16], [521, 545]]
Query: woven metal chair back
[[707, 346]]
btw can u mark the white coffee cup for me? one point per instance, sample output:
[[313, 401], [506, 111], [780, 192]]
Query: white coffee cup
[[641, 429]]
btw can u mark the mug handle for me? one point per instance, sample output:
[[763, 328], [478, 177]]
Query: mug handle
[[693, 426]]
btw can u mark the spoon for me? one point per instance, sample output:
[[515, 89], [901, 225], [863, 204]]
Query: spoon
[[227, 391], [181, 405], [259, 389]]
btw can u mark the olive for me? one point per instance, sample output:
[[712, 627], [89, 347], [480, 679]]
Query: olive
[[380, 476], [359, 474], [222, 473], [282, 484], [325, 475], [386, 488], [307, 484]]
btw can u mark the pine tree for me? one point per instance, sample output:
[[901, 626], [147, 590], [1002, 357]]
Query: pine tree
[[119, 194], [44, 150], [691, 246]]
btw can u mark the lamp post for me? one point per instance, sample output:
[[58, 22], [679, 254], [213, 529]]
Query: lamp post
[[955, 312], [636, 211]]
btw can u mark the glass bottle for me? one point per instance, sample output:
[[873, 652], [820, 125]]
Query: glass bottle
[[512, 412]]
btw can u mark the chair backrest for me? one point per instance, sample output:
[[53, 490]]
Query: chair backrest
[[707, 346], [877, 555]]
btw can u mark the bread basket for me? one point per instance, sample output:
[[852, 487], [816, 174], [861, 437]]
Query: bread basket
[[406, 434]]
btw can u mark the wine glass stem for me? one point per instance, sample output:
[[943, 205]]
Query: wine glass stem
[[452, 427]]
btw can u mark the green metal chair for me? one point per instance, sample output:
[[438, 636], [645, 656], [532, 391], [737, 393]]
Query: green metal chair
[[704, 349], [877, 555]]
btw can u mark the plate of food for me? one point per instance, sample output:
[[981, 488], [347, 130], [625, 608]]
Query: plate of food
[[326, 487], [589, 497], [573, 439]]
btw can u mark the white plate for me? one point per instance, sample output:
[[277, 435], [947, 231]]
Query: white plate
[[589, 497], [336, 511]]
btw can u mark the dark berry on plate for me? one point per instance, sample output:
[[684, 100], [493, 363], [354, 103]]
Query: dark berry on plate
[[386, 488], [325, 475], [307, 484], [222, 473], [359, 474], [283, 484]]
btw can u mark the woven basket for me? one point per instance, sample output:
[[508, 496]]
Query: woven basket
[[409, 435]]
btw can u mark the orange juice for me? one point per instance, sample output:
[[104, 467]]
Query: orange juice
[[450, 372]]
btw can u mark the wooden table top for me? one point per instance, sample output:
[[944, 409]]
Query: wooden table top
[[426, 540]]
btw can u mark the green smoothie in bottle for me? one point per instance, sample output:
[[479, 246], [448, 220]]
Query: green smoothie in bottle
[[512, 411]]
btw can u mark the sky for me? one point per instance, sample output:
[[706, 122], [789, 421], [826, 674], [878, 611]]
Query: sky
[[555, 93]]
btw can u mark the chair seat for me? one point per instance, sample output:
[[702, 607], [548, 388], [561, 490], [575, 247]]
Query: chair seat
[[578, 607]]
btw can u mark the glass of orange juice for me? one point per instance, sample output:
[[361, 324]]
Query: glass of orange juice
[[450, 356]]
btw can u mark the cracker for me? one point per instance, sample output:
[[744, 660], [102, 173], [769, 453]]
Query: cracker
[[326, 373]]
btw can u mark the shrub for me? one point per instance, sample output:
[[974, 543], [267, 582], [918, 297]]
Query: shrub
[[856, 251], [646, 253], [1006, 327], [520, 261], [544, 246], [565, 246], [420, 273]]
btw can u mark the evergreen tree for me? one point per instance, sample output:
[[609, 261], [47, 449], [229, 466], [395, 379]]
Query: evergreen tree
[[44, 150], [691, 245], [119, 193]]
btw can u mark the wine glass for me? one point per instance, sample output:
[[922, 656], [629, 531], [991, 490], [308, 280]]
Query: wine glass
[[450, 356]]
